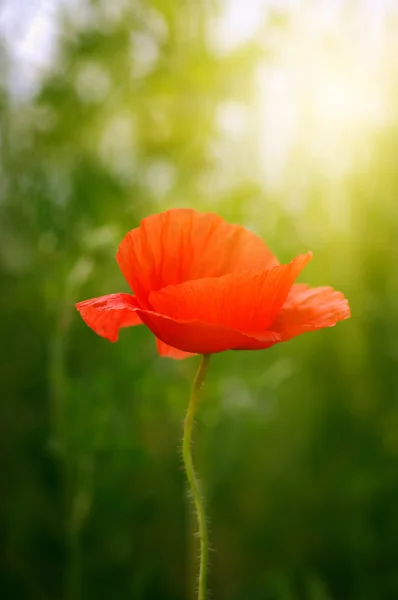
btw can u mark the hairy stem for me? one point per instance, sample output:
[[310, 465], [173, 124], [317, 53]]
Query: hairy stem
[[192, 478]]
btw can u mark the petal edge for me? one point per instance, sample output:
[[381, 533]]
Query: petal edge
[[167, 351], [107, 314], [309, 309]]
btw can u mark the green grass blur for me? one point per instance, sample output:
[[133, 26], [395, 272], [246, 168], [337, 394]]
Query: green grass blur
[[297, 446]]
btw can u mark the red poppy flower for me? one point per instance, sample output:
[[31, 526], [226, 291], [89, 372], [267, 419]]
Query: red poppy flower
[[203, 286]]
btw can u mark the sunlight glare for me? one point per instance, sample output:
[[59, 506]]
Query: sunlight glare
[[324, 96], [321, 92]]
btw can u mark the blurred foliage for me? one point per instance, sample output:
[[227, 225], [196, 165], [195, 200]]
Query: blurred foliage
[[298, 445]]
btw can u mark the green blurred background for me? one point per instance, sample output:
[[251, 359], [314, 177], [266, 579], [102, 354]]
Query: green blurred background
[[281, 116]]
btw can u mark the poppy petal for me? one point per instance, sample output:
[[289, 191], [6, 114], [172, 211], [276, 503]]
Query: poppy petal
[[170, 352], [307, 309], [107, 314], [247, 302], [181, 245], [203, 338]]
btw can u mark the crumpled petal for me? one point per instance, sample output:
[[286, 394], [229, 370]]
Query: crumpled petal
[[247, 302], [107, 314], [203, 338], [307, 309], [182, 245], [170, 352]]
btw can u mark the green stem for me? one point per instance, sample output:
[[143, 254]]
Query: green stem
[[192, 479]]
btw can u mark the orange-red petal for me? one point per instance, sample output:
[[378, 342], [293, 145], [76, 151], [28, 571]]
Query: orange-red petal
[[247, 302], [182, 245], [307, 309], [203, 338], [169, 352], [107, 314]]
